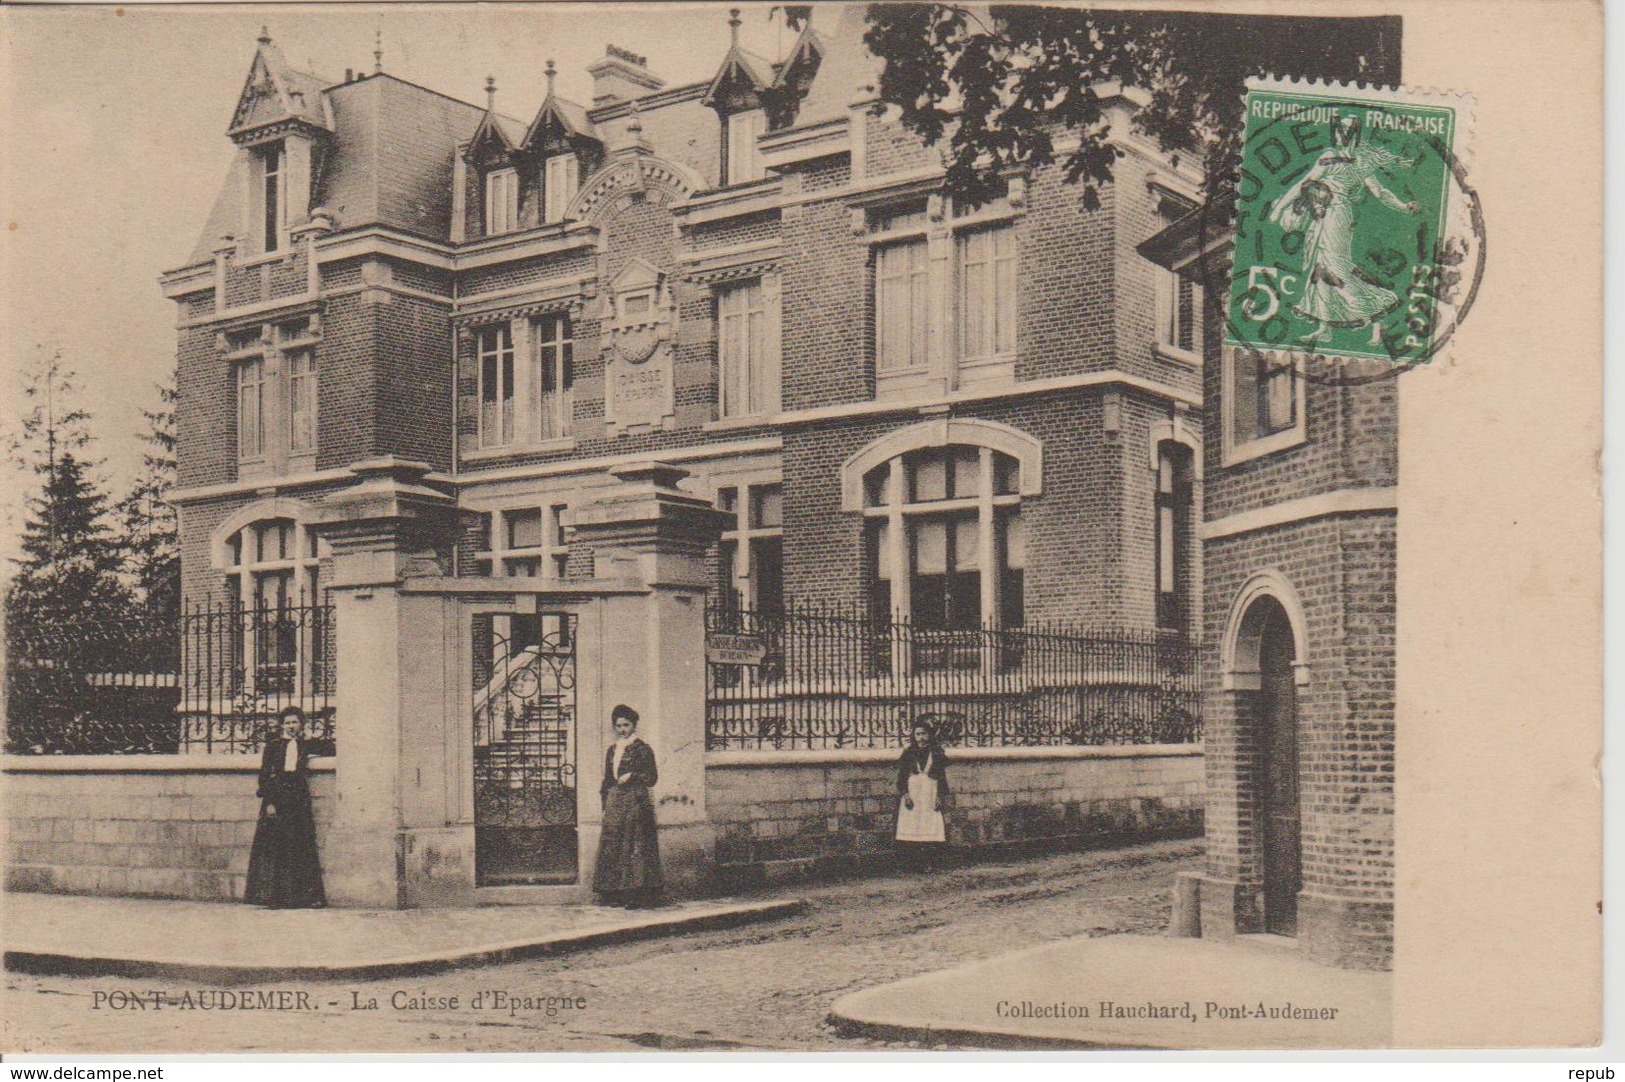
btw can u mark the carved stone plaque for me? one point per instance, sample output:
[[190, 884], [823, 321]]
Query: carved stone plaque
[[640, 382], [641, 317]]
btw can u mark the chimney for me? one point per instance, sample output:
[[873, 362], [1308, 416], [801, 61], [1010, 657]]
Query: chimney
[[621, 75]]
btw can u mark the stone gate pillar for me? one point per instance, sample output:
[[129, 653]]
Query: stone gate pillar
[[393, 842], [645, 647]]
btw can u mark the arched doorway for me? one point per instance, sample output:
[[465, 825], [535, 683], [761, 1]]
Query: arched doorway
[[1278, 808]]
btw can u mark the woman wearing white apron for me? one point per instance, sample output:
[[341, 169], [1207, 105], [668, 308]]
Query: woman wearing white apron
[[922, 791]]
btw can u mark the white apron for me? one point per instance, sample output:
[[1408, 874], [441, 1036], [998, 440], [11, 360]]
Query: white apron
[[924, 822]]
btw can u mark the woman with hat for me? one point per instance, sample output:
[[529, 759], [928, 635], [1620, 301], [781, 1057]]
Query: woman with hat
[[628, 868]]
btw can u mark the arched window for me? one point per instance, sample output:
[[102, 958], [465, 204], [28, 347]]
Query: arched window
[[271, 564], [1173, 542], [946, 544], [271, 568]]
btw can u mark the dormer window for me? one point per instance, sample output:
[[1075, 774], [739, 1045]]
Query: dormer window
[[743, 161], [742, 86], [561, 177], [272, 208], [501, 201]]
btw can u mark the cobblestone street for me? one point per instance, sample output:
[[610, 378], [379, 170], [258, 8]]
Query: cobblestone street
[[766, 986]]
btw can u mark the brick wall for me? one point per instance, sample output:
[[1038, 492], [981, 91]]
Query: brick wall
[[414, 410], [892, 148], [745, 229], [525, 272], [205, 415], [1342, 568], [828, 310], [801, 815], [145, 826], [1068, 292], [347, 385]]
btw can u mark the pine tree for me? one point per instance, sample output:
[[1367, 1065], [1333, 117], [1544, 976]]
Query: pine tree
[[66, 605], [150, 527]]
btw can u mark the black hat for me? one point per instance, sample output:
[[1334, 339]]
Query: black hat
[[623, 711]]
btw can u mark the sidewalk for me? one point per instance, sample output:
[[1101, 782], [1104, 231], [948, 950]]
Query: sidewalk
[[1251, 992], [225, 943]]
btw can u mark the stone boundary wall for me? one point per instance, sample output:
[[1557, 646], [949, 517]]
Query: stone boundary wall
[[783, 816], [180, 826], [162, 826]]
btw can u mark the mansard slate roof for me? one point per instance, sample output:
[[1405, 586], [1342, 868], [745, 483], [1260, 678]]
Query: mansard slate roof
[[387, 162], [388, 145]]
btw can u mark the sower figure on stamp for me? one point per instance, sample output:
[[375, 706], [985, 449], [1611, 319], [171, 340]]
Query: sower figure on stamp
[[284, 871], [1337, 291], [922, 791], [628, 868]]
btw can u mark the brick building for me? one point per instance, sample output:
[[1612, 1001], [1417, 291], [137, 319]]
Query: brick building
[[1301, 460], [425, 347], [963, 414]]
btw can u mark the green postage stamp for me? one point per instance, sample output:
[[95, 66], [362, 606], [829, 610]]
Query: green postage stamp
[[1356, 231]]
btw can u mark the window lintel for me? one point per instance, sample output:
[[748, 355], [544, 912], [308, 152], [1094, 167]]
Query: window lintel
[[1026, 450]]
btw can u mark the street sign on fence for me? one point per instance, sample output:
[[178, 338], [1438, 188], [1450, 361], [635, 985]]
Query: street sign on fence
[[730, 649]]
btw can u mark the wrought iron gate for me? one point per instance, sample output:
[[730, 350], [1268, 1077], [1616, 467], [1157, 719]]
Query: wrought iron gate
[[524, 748]]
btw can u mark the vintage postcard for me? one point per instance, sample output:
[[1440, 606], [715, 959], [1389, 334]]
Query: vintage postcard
[[610, 528]]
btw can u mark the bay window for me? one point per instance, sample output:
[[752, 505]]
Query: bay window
[[1173, 536], [271, 576], [251, 409], [945, 288], [1178, 308], [1263, 403], [272, 207]]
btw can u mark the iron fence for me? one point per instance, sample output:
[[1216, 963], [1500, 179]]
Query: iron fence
[[213, 680], [241, 667], [82, 689], [815, 676]]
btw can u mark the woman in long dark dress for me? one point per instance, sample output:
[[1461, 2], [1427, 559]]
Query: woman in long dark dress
[[628, 869], [922, 797], [283, 869]]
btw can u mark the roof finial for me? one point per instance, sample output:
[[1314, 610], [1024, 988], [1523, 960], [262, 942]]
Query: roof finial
[[378, 50], [490, 92], [552, 73], [265, 35], [733, 25]]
